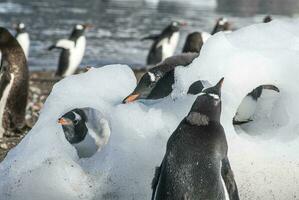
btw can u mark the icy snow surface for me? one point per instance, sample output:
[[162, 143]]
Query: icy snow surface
[[263, 154]]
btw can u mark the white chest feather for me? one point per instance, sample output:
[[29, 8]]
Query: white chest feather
[[246, 109], [3, 102], [169, 45], [24, 41], [76, 55]]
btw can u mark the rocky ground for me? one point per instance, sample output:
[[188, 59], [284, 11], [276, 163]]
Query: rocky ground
[[40, 86]]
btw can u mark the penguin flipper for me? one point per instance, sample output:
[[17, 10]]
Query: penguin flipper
[[63, 44], [155, 55], [150, 37], [228, 177], [156, 180]]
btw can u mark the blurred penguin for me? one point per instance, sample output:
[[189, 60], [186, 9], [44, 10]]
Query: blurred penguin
[[267, 19], [164, 44], [86, 129], [222, 24], [14, 81], [196, 165], [23, 38], [194, 42], [73, 50]]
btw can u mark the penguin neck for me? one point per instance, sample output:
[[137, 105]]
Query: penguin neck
[[200, 119]]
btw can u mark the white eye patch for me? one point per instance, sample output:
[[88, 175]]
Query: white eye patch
[[223, 21], [79, 26], [152, 76], [77, 117], [215, 96], [175, 24], [21, 25]]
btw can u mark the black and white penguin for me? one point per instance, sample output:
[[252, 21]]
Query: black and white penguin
[[164, 44], [194, 41], [195, 165], [157, 82], [14, 81], [86, 129], [248, 105], [222, 24], [267, 19], [23, 38], [72, 50]]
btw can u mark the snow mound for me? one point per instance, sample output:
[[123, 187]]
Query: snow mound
[[266, 166]]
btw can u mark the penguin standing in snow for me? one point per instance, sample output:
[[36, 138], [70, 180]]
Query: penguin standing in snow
[[196, 165], [222, 24], [86, 129], [14, 80], [157, 82], [194, 42], [164, 44], [248, 105], [23, 38], [72, 50]]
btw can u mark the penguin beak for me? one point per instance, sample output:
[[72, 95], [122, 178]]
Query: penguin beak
[[183, 24], [88, 26], [220, 83], [131, 98], [64, 121], [271, 87]]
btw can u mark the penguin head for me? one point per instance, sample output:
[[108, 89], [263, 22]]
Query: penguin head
[[146, 84], [20, 27], [222, 24], [267, 19], [207, 106], [6, 38], [174, 26], [79, 30], [195, 88], [73, 125]]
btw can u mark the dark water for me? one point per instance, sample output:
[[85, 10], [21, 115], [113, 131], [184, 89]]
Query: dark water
[[119, 24]]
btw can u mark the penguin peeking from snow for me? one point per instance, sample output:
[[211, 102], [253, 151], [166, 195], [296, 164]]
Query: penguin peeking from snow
[[86, 129], [164, 44], [247, 108], [157, 82], [72, 50]]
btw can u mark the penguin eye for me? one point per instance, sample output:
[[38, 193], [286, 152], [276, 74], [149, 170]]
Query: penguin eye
[[76, 122]]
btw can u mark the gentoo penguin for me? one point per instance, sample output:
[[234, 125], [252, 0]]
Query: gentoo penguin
[[222, 24], [195, 165], [164, 44], [86, 129], [22, 37], [248, 105], [194, 42], [72, 50], [14, 79], [157, 82], [267, 19]]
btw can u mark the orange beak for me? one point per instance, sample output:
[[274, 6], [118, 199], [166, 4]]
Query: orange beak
[[63, 121], [88, 26], [183, 23], [131, 98]]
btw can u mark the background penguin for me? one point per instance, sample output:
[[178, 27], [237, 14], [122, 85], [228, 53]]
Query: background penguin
[[221, 25], [72, 50], [164, 44], [86, 129], [194, 42], [157, 82], [22, 37], [248, 105], [195, 165], [14, 79], [267, 19]]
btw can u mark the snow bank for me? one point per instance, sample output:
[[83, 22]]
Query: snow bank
[[266, 166]]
